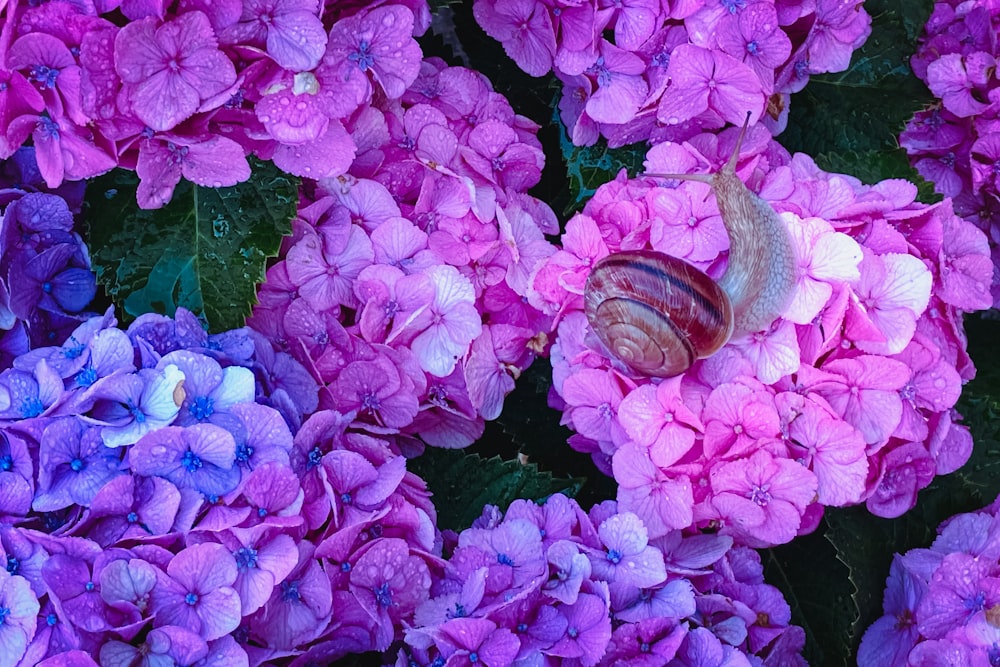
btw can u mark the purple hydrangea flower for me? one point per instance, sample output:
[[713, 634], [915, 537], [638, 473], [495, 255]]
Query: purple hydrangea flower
[[196, 591], [73, 464], [210, 391], [18, 617], [131, 406], [200, 457]]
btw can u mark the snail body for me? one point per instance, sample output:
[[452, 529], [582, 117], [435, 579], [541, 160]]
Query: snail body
[[658, 314]]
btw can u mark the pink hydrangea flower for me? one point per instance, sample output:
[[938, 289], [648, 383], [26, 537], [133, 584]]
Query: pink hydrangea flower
[[169, 70]]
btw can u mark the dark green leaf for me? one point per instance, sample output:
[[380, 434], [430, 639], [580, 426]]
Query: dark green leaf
[[463, 484], [873, 166], [206, 250], [815, 586], [864, 108], [587, 167], [865, 543]]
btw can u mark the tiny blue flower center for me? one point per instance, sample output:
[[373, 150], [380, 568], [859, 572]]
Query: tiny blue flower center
[[290, 591], [644, 647], [243, 453], [733, 5], [191, 461], [89, 586], [504, 559], [345, 498], [48, 128], [44, 75], [177, 153], [4, 613], [202, 407], [31, 407], [13, 565], [47, 287], [137, 414], [51, 620], [74, 351], [753, 48], [86, 377], [978, 603], [246, 558], [573, 633], [370, 401], [345, 567], [6, 463], [76, 465], [614, 556], [600, 70], [363, 56], [383, 595], [473, 657], [315, 456], [191, 598], [131, 517]]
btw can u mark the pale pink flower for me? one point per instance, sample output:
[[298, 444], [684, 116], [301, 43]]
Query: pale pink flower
[[455, 322]]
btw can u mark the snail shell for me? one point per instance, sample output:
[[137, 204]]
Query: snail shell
[[656, 313]]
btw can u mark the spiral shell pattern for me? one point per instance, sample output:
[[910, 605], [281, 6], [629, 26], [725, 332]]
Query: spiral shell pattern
[[656, 313]]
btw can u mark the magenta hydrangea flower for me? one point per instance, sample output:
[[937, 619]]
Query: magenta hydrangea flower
[[170, 69], [525, 29], [703, 80], [380, 41], [210, 161], [762, 495], [290, 29]]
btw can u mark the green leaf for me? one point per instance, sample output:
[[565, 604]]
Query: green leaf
[[206, 250], [588, 167], [873, 166], [865, 107], [464, 483], [815, 585], [866, 543]]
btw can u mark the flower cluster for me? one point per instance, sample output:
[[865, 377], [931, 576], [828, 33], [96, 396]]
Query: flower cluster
[[673, 69], [846, 398], [151, 507], [403, 287], [955, 143], [547, 584], [942, 600], [45, 277], [190, 88]]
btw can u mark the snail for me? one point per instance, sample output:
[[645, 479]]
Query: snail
[[657, 313]]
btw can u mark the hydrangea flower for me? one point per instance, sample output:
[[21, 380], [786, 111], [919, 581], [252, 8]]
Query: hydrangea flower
[[940, 597], [170, 69], [733, 442]]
